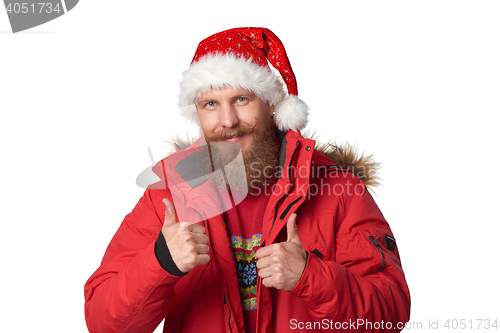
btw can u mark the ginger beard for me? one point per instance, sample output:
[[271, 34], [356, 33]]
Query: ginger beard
[[260, 159]]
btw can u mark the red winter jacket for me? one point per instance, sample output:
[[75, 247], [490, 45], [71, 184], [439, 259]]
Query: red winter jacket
[[353, 278]]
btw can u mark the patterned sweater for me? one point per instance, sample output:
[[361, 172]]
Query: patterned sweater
[[244, 223]]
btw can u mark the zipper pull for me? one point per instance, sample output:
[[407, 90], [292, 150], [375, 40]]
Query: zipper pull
[[374, 241]]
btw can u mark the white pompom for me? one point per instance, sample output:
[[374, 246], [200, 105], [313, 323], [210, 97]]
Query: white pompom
[[291, 114]]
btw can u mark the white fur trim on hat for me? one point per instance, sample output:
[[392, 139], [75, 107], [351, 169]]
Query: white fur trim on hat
[[291, 114]]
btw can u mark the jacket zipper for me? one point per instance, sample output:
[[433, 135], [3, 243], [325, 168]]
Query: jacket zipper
[[228, 309], [374, 241], [289, 188]]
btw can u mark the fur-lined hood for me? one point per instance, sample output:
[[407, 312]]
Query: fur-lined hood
[[345, 155]]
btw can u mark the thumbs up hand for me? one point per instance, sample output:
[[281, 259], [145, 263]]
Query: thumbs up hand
[[187, 242], [281, 265]]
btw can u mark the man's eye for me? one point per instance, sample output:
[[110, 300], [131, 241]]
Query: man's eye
[[242, 99], [210, 104]]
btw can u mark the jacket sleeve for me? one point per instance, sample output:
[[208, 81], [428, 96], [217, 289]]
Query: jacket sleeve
[[130, 291], [363, 287]]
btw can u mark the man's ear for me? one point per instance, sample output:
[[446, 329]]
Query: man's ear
[[271, 111]]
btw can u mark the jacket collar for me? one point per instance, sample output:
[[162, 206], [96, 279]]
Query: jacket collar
[[292, 187]]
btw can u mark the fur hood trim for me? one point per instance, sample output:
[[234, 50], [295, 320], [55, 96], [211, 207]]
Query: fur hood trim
[[347, 157]]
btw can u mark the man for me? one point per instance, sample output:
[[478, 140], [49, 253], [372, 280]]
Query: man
[[298, 244]]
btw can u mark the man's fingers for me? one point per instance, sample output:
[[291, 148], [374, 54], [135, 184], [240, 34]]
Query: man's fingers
[[170, 214], [265, 273], [193, 227], [203, 259], [264, 252], [264, 262], [202, 249], [198, 238]]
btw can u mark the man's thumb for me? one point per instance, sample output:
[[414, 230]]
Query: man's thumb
[[170, 214], [291, 228]]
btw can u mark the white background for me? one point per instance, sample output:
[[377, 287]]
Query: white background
[[82, 97]]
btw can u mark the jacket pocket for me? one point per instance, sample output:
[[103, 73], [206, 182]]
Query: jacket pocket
[[377, 245], [319, 250], [378, 258]]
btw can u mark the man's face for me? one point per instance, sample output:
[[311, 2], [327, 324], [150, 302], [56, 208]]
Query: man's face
[[238, 116], [232, 115]]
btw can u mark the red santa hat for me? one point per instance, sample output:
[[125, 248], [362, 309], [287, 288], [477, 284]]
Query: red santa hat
[[239, 58]]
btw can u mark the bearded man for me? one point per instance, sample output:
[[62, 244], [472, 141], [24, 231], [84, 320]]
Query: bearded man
[[252, 228]]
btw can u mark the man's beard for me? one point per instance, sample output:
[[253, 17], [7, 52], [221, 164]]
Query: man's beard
[[260, 159]]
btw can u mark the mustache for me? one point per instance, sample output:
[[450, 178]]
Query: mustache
[[229, 133]]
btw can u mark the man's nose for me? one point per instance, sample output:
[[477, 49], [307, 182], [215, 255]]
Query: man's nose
[[229, 117]]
